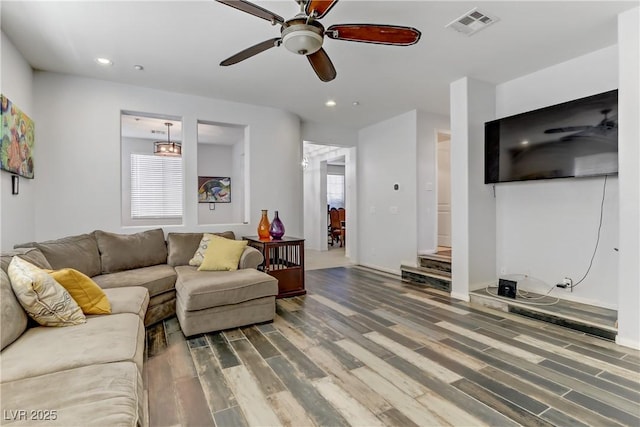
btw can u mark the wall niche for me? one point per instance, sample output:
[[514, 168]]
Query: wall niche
[[222, 149]]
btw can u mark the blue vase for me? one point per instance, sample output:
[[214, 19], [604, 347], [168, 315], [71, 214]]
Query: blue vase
[[276, 230]]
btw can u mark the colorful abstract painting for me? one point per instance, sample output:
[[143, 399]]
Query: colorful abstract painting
[[214, 189], [17, 136]]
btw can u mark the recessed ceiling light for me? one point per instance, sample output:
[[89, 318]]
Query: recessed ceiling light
[[138, 67], [330, 103], [355, 103], [104, 61], [524, 142]]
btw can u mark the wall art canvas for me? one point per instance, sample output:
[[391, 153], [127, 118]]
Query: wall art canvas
[[214, 189], [17, 136]]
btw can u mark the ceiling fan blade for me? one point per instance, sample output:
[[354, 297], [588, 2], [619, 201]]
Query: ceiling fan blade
[[568, 129], [321, 7], [372, 33], [251, 51], [322, 65], [253, 9]]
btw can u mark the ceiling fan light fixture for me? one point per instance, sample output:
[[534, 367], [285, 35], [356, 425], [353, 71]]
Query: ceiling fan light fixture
[[302, 39], [167, 148]]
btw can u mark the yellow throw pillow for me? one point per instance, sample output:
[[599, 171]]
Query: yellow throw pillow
[[44, 299], [89, 296], [222, 254]]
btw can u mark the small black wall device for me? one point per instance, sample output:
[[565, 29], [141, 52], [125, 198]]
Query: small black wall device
[[507, 288]]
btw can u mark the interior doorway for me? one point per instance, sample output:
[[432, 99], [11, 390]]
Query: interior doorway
[[444, 190], [329, 182]]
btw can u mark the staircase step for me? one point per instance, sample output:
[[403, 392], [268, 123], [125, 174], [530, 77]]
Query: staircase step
[[435, 262], [589, 326], [435, 272], [420, 276]]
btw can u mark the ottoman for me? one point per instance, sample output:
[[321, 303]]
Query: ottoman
[[208, 301]]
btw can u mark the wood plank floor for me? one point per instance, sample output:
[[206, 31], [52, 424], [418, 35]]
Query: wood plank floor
[[364, 349]]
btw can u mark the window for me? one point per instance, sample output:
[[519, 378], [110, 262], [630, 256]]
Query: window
[[335, 191], [156, 187]]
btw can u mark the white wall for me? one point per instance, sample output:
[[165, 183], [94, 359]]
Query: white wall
[[387, 218], [473, 211], [629, 180], [330, 135], [17, 219], [547, 229], [79, 147], [427, 180], [238, 179]]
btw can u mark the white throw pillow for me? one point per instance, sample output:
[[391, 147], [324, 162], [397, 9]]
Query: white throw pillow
[[198, 257], [44, 299]]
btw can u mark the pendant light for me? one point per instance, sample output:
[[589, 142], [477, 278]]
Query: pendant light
[[167, 148]]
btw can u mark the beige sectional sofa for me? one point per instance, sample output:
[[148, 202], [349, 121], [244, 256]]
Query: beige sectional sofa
[[91, 374], [141, 259]]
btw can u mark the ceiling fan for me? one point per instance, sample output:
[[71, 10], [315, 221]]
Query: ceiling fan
[[606, 125], [304, 34]]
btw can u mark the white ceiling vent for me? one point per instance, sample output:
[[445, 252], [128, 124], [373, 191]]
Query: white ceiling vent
[[472, 22]]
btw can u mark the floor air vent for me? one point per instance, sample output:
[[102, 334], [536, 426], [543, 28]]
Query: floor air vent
[[472, 22]]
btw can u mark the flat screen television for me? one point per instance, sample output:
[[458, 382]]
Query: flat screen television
[[573, 139]]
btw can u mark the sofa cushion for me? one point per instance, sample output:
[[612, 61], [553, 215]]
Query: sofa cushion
[[89, 296], [222, 254], [105, 395], [44, 299], [13, 319], [251, 258], [79, 252], [103, 339], [161, 307], [157, 279], [32, 255], [130, 299], [199, 290], [225, 316], [182, 246], [120, 252]]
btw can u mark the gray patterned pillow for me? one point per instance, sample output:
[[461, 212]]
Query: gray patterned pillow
[[198, 257], [44, 299]]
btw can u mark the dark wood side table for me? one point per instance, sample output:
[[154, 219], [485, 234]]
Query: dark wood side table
[[284, 260]]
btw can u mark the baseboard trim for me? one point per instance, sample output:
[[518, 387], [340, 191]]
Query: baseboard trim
[[461, 296], [380, 269], [625, 342]]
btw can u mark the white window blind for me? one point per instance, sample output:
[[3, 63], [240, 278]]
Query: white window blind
[[335, 191], [156, 186]]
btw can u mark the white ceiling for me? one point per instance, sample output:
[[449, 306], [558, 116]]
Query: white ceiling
[[181, 43]]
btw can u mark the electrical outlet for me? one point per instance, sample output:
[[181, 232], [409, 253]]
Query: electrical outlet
[[567, 283], [503, 270]]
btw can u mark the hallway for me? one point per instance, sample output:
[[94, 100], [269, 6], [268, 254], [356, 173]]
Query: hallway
[[334, 257]]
